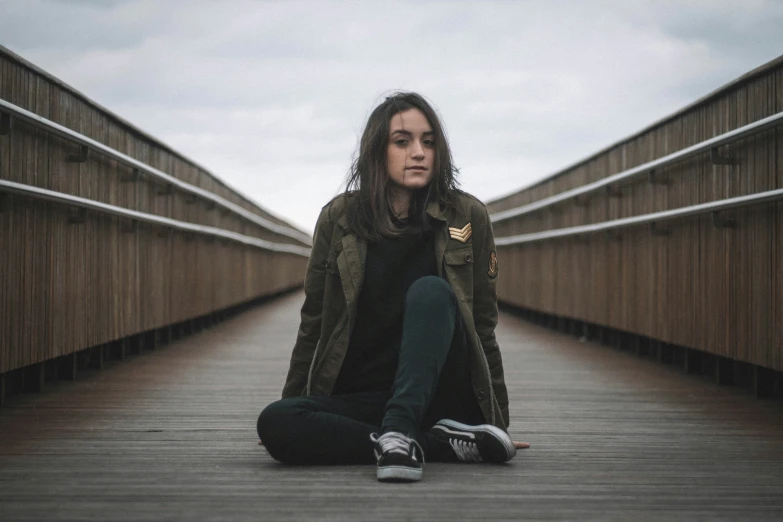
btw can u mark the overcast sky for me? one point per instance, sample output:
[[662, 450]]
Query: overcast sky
[[271, 96]]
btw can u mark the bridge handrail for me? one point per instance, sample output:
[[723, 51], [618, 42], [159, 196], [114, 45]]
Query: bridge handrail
[[708, 145], [73, 136], [652, 219], [104, 208]]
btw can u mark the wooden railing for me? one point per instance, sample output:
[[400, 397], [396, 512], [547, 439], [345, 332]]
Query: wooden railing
[[671, 235], [109, 240]]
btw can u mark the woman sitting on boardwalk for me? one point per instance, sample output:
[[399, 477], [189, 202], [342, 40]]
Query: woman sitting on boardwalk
[[396, 358]]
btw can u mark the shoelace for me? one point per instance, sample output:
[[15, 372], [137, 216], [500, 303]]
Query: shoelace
[[466, 451], [393, 442]]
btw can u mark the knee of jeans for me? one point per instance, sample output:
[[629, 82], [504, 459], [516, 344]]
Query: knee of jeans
[[272, 425], [430, 291]]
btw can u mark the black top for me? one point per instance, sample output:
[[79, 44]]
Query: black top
[[392, 265]]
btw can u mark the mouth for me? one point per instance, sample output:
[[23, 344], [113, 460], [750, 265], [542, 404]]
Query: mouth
[[418, 169]]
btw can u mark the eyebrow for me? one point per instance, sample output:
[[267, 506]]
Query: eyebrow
[[408, 133]]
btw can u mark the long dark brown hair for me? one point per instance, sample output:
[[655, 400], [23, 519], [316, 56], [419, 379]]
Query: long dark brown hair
[[367, 195]]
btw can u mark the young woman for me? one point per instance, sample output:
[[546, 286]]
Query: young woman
[[396, 359]]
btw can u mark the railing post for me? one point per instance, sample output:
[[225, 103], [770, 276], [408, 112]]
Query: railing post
[[121, 347], [665, 355], [640, 346], [602, 337], [68, 367], [724, 371], [34, 378], [164, 334], [763, 382], [96, 357], [150, 340], [619, 339], [693, 361], [134, 344]]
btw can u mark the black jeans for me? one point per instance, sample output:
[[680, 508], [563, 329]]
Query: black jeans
[[432, 382]]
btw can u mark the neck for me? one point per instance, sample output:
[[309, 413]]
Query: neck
[[400, 202]]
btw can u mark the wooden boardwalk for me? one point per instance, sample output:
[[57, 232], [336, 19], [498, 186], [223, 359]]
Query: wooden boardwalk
[[170, 435]]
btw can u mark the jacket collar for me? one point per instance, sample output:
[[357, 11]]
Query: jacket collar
[[433, 210]]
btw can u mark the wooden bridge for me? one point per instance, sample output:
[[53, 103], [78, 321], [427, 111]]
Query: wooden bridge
[[170, 435], [148, 312]]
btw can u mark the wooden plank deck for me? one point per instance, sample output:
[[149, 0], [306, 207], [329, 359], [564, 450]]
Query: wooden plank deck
[[171, 435]]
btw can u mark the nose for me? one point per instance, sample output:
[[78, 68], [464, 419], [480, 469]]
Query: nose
[[417, 151]]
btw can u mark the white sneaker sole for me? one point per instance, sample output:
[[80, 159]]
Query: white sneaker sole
[[398, 474], [496, 432]]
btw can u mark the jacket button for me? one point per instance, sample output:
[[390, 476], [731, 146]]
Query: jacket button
[[468, 257], [326, 264], [481, 394]]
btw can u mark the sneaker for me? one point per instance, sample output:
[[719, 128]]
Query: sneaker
[[482, 443], [396, 456]]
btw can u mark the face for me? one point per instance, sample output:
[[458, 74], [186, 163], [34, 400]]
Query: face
[[410, 153]]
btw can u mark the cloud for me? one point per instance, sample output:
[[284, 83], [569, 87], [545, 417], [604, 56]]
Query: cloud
[[272, 95]]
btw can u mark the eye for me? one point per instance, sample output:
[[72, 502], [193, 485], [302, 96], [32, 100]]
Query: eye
[[429, 143], [401, 142]]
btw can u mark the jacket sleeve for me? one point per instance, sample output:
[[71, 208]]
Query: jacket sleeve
[[310, 325], [485, 303]]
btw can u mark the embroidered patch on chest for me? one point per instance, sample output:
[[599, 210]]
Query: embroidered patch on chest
[[461, 234]]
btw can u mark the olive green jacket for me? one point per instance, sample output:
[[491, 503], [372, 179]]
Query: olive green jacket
[[335, 273]]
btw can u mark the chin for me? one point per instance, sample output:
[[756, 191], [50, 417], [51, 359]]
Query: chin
[[416, 183], [413, 182], [417, 186]]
